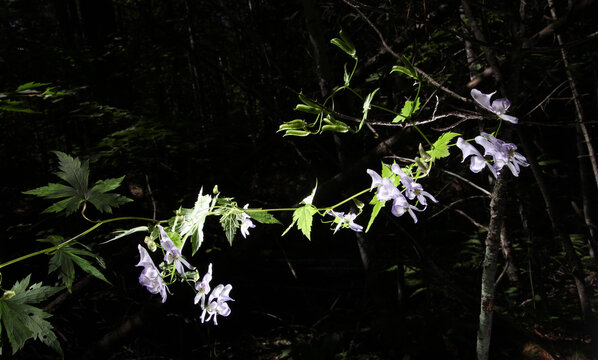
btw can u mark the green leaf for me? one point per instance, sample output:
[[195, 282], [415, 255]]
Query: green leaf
[[230, 223], [22, 321], [344, 44], [262, 216], [375, 210], [65, 259], [122, 233], [194, 220], [308, 109], [408, 69], [303, 216], [30, 85], [408, 109], [440, 148], [76, 174]]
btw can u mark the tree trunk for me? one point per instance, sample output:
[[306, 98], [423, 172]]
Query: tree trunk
[[497, 206]]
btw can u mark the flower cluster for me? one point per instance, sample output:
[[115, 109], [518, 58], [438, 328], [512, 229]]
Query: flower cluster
[[212, 303], [388, 191], [502, 154], [216, 304]]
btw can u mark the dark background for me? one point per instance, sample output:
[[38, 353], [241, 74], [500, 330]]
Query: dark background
[[179, 95]]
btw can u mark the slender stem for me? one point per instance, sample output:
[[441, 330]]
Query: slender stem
[[57, 247]]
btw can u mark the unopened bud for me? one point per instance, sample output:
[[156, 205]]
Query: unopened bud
[[151, 244], [421, 165], [215, 189], [423, 153], [8, 294]]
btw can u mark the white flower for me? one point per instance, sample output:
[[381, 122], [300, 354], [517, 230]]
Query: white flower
[[498, 106]]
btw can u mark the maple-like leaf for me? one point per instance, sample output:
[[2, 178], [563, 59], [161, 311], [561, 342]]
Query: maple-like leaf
[[23, 321], [77, 192]]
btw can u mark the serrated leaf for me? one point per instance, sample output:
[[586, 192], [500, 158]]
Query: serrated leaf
[[262, 216], [194, 220], [88, 267], [408, 109], [76, 174], [230, 223], [440, 148], [22, 321], [303, 216]]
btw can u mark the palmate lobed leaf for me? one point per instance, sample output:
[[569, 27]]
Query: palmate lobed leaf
[[441, 148], [76, 174], [22, 321]]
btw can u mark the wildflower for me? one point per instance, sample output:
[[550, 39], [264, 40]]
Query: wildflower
[[412, 189], [246, 223], [150, 276], [477, 160], [498, 106], [203, 287], [400, 205], [386, 190], [502, 152], [217, 303], [346, 220], [173, 253]]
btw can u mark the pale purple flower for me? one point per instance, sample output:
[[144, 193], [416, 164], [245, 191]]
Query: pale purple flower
[[502, 152], [217, 303], [150, 276], [412, 189], [386, 190], [173, 253], [498, 106], [348, 220], [477, 160], [203, 287], [246, 223], [400, 205]]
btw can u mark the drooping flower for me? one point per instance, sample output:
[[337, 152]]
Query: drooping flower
[[412, 189], [386, 190], [246, 223], [347, 220], [150, 276], [477, 160], [203, 287], [217, 303], [173, 253], [400, 205], [498, 106], [503, 153]]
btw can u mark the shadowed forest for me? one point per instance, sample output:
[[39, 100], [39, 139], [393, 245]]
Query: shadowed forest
[[259, 102]]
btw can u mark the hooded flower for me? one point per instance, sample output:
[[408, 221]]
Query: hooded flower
[[346, 220], [503, 153], [150, 276], [173, 253], [217, 303], [477, 160], [412, 189], [386, 190], [498, 106], [203, 287], [400, 206], [246, 223]]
